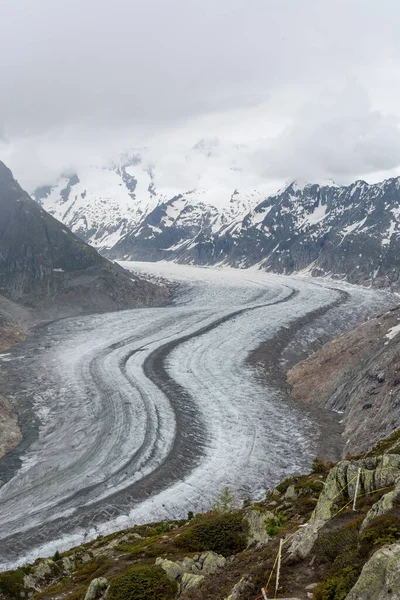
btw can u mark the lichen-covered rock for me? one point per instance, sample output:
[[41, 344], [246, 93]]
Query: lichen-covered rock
[[68, 564], [211, 562], [190, 572], [97, 589], [382, 507], [243, 587], [256, 520], [190, 580], [380, 577], [377, 472], [45, 570], [43, 574], [290, 493], [189, 565], [172, 569]]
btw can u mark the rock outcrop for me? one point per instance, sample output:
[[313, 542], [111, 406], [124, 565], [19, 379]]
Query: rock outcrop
[[190, 572], [257, 522], [243, 587], [377, 473], [380, 577], [97, 589]]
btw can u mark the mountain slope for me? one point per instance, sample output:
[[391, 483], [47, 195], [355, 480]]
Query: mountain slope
[[357, 374], [46, 268], [104, 204], [347, 232]]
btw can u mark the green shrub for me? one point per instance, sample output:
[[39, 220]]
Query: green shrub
[[142, 583], [12, 584], [92, 570], [275, 524], [225, 502], [332, 544], [382, 530], [163, 528], [309, 487], [338, 586], [224, 534], [318, 466], [304, 505], [283, 485]]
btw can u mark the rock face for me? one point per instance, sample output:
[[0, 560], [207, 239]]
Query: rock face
[[47, 268], [257, 521], [380, 577], [190, 572], [376, 473], [357, 374]]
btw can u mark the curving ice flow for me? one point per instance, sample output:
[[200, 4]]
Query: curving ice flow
[[146, 414]]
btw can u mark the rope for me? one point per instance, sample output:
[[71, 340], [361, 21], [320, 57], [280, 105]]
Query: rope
[[332, 517]]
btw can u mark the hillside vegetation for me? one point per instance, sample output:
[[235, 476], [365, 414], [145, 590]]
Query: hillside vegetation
[[230, 553]]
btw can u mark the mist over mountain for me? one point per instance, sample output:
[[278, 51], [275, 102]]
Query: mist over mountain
[[347, 232]]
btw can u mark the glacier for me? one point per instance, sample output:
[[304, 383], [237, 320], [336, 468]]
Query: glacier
[[146, 414]]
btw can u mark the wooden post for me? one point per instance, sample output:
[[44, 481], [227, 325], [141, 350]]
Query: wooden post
[[357, 486], [278, 569], [264, 594]]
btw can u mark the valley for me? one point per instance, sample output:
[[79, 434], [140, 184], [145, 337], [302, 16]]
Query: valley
[[147, 414]]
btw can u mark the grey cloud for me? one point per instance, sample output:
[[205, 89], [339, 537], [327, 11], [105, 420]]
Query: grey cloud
[[339, 137], [84, 77]]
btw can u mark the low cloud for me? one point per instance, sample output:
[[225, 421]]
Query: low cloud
[[311, 88], [336, 135]]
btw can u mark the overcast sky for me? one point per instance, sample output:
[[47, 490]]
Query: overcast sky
[[311, 86]]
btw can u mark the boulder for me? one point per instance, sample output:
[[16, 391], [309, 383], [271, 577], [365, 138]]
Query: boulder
[[243, 587], [211, 562], [380, 577], [290, 493], [45, 570], [172, 569], [382, 507], [68, 564], [190, 572], [97, 589], [190, 566], [42, 574], [190, 581], [256, 520]]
